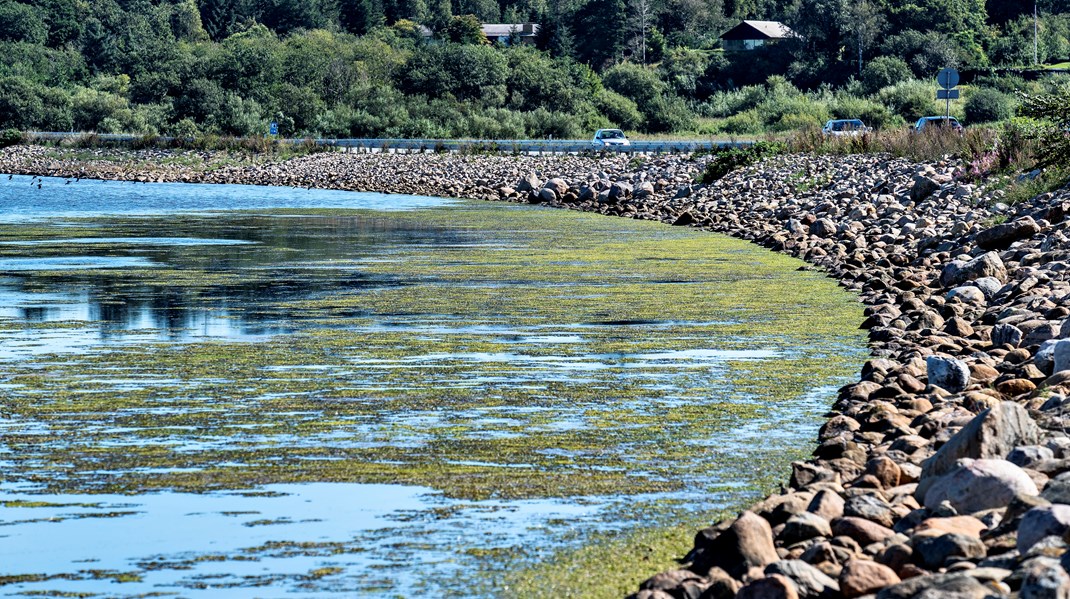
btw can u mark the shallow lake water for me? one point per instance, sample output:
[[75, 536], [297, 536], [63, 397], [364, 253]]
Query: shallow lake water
[[245, 391]]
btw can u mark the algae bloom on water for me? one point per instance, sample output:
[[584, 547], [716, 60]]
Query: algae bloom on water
[[326, 394]]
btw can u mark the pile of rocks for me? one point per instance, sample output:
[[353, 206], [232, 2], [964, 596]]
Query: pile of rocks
[[945, 470]]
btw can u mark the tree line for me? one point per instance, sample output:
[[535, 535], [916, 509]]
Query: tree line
[[421, 68]]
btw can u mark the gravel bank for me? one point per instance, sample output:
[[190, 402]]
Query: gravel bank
[[944, 471]]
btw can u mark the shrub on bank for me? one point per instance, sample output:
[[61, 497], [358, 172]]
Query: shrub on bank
[[726, 161], [987, 105], [910, 99], [10, 137], [884, 71]]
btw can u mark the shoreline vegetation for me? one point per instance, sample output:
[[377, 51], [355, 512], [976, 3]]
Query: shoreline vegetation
[[418, 69], [941, 470]]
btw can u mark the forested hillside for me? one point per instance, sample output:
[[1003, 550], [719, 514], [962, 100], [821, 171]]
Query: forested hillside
[[368, 68]]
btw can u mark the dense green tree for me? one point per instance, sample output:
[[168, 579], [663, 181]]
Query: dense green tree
[[284, 16], [41, 64], [186, 22], [824, 38], [464, 29], [200, 100], [247, 63], [600, 32], [864, 24], [222, 18], [486, 11], [926, 53], [65, 19], [21, 23], [621, 111], [555, 32], [464, 71], [692, 23], [21, 106]]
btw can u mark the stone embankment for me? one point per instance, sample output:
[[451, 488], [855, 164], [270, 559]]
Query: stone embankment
[[944, 471]]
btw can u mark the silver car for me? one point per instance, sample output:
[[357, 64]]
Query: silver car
[[609, 137], [844, 127], [936, 122]]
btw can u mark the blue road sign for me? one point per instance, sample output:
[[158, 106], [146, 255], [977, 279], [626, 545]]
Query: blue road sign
[[274, 130]]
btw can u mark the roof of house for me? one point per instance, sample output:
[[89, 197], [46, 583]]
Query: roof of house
[[758, 30], [506, 29]]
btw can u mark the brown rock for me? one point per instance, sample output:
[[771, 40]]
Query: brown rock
[[770, 587], [859, 577], [983, 373], [827, 504], [896, 556], [910, 384], [963, 525], [1016, 387], [669, 580], [804, 475], [747, 544], [722, 586], [861, 530], [959, 327], [885, 470], [979, 401]]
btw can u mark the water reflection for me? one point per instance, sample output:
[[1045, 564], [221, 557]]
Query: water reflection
[[231, 274]]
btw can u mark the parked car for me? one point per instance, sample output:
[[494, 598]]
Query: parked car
[[937, 121], [845, 127], [609, 137]]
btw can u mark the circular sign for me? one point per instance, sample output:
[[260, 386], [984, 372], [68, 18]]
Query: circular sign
[[948, 78]]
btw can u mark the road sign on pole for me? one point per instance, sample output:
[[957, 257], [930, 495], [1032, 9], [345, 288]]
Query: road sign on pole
[[274, 128], [948, 79]]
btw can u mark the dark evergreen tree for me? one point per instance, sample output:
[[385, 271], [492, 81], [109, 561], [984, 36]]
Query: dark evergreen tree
[[600, 32]]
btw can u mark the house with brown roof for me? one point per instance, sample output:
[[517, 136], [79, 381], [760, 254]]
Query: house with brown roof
[[749, 35]]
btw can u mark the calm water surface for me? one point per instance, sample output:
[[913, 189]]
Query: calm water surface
[[246, 391]]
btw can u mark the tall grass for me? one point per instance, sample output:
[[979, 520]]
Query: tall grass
[[930, 144]]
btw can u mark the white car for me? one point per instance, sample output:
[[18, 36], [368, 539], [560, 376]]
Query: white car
[[844, 128], [609, 137]]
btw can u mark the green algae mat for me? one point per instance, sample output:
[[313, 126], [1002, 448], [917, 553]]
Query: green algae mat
[[236, 391]]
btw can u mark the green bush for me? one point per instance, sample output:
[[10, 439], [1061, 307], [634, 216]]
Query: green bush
[[10, 137], [873, 114], [726, 161], [787, 112], [669, 113], [745, 123], [884, 71], [1053, 114], [621, 111], [910, 99], [637, 83], [986, 105]]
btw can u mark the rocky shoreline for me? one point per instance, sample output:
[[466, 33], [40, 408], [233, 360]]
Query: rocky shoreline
[[944, 471]]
